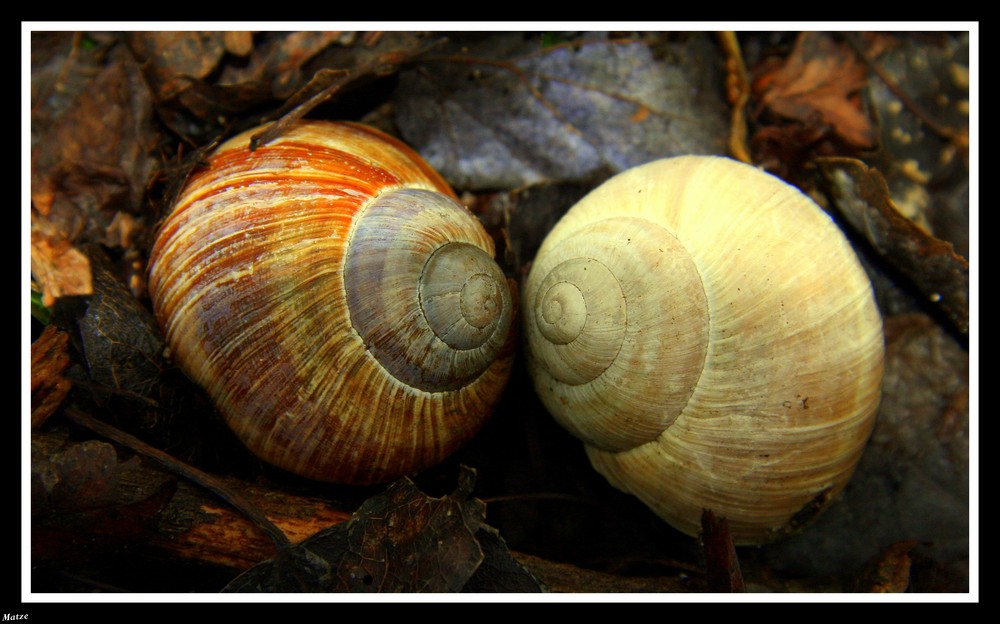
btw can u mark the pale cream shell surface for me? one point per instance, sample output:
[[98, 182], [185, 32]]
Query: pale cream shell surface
[[710, 334]]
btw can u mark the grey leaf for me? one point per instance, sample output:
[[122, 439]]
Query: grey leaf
[[563, 113]]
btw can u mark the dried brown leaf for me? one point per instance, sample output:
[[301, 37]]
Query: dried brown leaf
[[890, 572], [96, 156], [285, 63], [208, 83], [180, 68], [172, 59], [399, 541], [818, 84], [59, 268], [90, 165]]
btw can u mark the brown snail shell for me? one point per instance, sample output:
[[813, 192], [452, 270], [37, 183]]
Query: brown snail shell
[[711, 336], [336, 302]]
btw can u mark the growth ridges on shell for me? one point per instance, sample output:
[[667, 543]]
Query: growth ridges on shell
[[414, 259], [635, 362], [776, 421], [217, 292]]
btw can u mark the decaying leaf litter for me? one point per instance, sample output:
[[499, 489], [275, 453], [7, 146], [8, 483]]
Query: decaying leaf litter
[[513, 119]]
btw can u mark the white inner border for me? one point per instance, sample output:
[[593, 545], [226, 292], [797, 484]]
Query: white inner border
[[27, 596]]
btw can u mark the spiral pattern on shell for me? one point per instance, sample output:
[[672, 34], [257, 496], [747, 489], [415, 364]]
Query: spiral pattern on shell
[[336, 302], [710, 335]]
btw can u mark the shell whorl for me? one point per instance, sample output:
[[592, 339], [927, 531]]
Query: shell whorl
[[747, 373], [341, 308], [431, 306]]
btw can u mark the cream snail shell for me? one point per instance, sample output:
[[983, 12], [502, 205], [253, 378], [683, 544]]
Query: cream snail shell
[[711, 336], [339, 306]]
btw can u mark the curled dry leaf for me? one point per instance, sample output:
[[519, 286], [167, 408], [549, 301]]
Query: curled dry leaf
[[861, 195]]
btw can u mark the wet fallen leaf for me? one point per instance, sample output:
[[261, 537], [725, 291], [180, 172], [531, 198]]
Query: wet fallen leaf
[[922, 101], [913, 480], [400, 541], [122, 344], [91, 161], [505, 111]]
